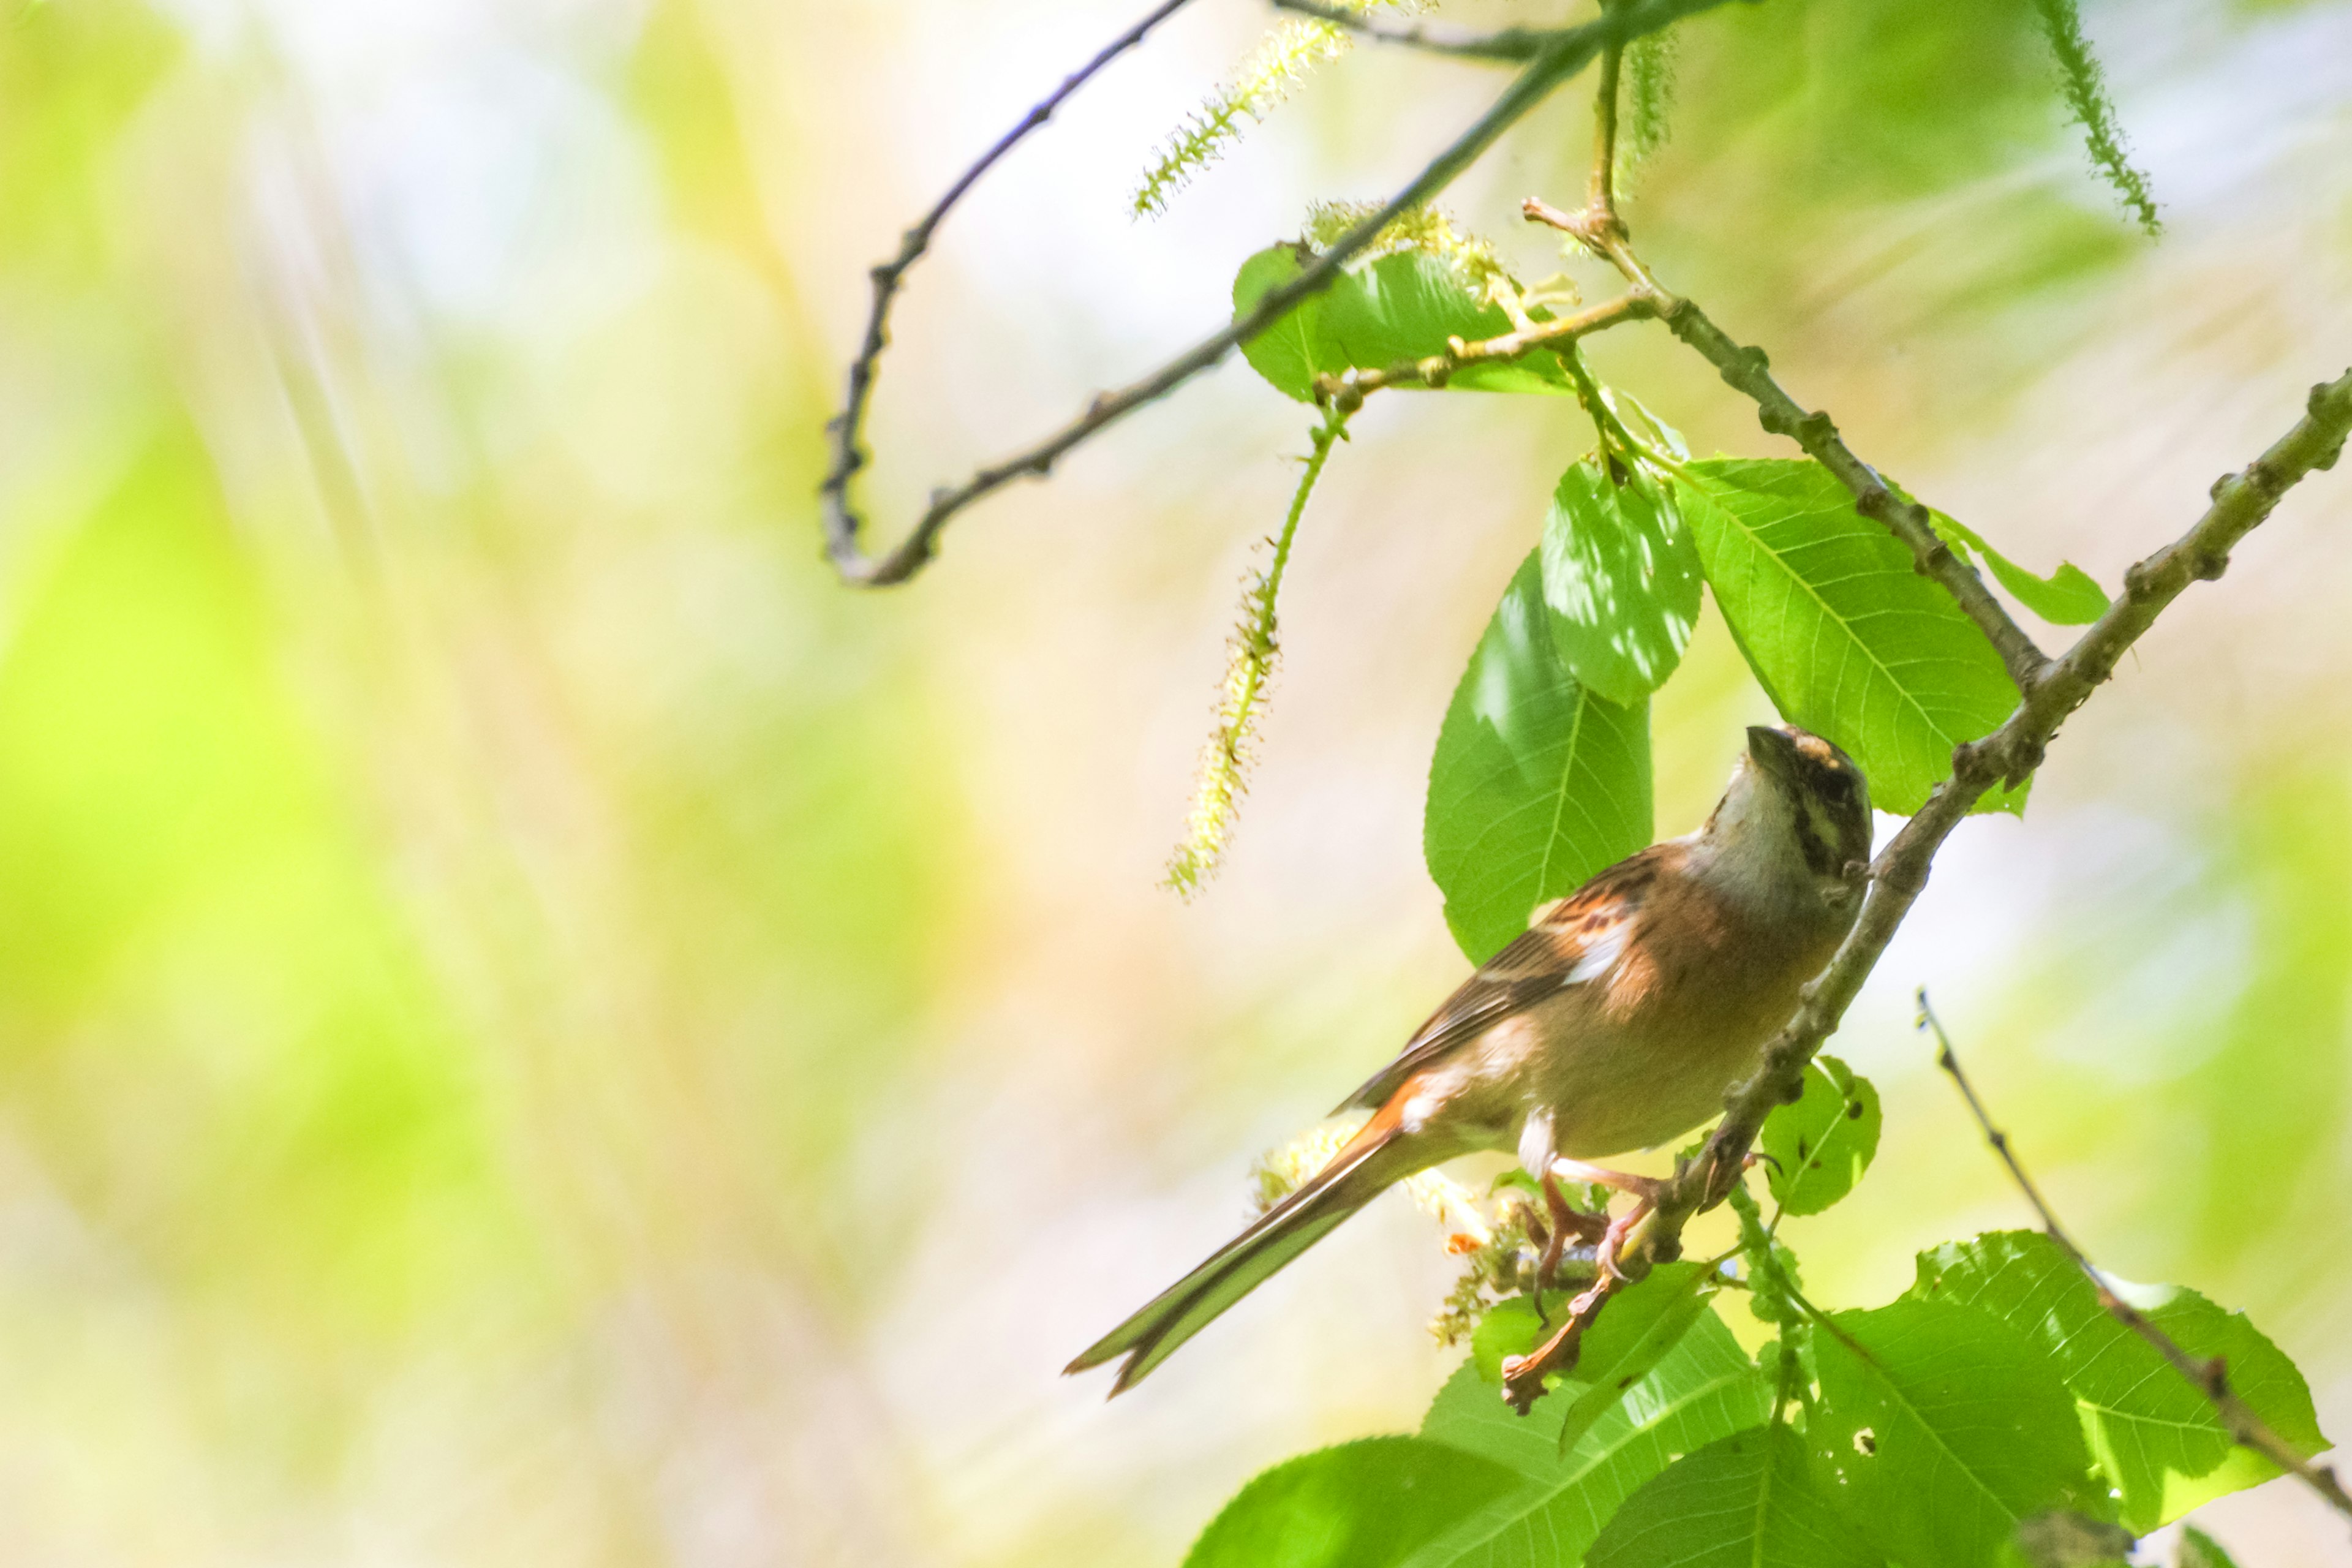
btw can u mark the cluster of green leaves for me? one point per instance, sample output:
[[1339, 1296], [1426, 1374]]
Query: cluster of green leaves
[[1542, 775], [1995, 1413]]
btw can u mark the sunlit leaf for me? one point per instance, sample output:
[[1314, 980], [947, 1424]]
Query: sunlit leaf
[[1367, 1504], [2152, 1434], [1748, 1500], [1820, 1145], [1400, 306], [2067, 598], [1946, 1426], [1701, 1390], [1537, 783], [1846, 636], [1636, 1329], [1621, 578]]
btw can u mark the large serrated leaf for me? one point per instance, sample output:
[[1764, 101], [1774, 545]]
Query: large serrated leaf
[[1848, 639], [1366, 1504], [1701, 1390], [2152, 1434], [1400, 306], [1748, 1500], [1946, 1426], [1621, 578], [1820, 1145], [1537, 783]]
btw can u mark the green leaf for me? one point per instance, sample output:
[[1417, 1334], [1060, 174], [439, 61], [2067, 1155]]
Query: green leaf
[[1633, 1332], [2199, 1550], [1701, 1390], [1400, 306], [1822, 1144], [1537, 783], [2153, 1436], [1946, 1426], [1621, 577], [1510, 1328], [2067, 598], [1366, 1504], [1846, 637], [1748, 1500]]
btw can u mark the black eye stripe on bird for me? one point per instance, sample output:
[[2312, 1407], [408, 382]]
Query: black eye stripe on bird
[[1617, 1022]]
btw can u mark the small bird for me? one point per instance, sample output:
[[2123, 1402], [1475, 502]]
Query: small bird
[[1617, 1022]]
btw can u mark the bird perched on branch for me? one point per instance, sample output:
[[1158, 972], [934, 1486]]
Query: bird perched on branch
[[1617, 1022]]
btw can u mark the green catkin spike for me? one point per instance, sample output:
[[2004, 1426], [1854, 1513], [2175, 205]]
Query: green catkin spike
[[1271, 71], [2084, 85], [1646, 95], [1249, 668]]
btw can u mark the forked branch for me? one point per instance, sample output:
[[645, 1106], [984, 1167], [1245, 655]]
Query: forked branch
[[2211, 1378], [1562, 54], [2241, 501]]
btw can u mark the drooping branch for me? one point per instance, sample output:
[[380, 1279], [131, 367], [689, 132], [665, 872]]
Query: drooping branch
[[844, 428], [2211, 1378], [1565, 53]]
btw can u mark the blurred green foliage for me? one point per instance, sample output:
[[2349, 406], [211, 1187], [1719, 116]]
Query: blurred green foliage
[[534, 1028]]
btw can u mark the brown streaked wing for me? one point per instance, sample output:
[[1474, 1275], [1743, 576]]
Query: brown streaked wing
[[1535, 965]]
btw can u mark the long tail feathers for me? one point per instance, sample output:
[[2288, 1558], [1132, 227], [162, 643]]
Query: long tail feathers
[[1370, 1162]]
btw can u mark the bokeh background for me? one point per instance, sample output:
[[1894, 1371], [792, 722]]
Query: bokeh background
[[536, 1028]]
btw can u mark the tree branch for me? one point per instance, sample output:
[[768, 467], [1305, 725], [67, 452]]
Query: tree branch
[[844, 428], [1347, 392], [2241, 501], [1519, 44], [2211, 1378], [1565, 55]]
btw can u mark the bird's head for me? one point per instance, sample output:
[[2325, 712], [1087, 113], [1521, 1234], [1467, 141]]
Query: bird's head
[[1797, 800]]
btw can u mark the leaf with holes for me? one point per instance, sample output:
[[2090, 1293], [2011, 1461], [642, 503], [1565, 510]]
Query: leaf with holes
[[2154, 1437], [1397, 306], [1621, 578], [1537, 783], [1945, 1427], [1360, 1505], [1701, 1390], [1748, 1500], [1847, 638], [1820, 1146]]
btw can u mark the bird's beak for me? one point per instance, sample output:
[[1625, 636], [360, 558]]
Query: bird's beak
[[1773, 750]]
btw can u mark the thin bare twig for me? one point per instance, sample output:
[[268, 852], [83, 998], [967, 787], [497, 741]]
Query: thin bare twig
[[1347, 393], [2209, 1378], [1567, 53], [2241, 501], [844, 428], [1510, 44]]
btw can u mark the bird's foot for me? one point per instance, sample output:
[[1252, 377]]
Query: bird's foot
[[1614, 1237], [1647, 1188], [1566, 1221]]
